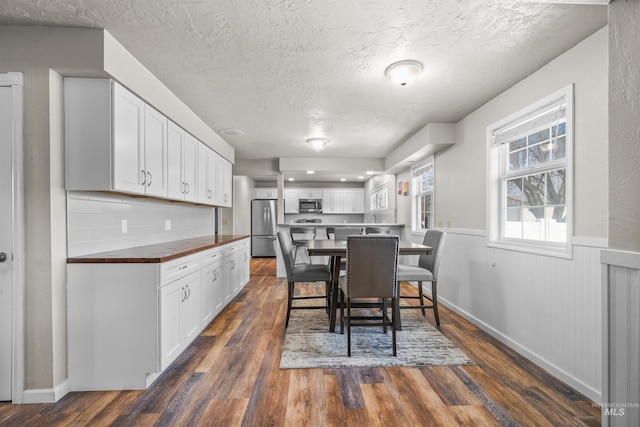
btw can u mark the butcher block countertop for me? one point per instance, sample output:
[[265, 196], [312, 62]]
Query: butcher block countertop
[[159, 252]]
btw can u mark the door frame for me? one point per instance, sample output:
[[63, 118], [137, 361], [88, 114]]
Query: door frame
[[16, 82]]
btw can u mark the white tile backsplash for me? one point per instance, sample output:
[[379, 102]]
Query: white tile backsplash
[[95, 222]]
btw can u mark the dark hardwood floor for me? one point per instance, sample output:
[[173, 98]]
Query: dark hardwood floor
[[229, 376]]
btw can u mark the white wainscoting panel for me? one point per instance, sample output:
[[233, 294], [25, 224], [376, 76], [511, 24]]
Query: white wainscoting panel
[[621, 338], [546, 308]]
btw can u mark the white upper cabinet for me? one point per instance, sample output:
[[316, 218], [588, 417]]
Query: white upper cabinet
[[182, 164], [343, 201], [310, 193], [291, 201], [114, 141], [129, 172], [265, 193], [155, 152], [207, 162], [224, 184]]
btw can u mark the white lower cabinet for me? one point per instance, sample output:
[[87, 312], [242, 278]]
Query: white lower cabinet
[[127, 322], [179, 319]]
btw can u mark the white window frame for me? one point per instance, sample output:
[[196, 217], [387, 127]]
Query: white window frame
[[416, 192], [496, 179]]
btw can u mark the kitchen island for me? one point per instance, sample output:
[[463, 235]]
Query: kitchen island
[[321, 234]]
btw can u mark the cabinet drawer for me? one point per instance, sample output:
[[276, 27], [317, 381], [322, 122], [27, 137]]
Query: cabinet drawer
[[177, 268], [210, 256]]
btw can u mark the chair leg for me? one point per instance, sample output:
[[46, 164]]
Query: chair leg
[[394, 325], [289, 303], [434, 297], [341, 311], [384, 314], [420, 293], [349, 327]]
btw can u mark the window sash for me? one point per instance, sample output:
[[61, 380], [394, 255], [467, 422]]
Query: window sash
[[422, 183]]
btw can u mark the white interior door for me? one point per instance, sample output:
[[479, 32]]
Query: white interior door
[[6, 242]]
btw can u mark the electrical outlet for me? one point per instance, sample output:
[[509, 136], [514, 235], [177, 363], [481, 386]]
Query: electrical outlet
[[124, 226], [167, 224]]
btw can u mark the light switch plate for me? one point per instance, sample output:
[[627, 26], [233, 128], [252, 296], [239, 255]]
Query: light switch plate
[[167, 224], [124, 226]]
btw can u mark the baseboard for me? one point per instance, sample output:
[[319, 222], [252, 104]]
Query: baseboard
[[567, 378], [46, 395]]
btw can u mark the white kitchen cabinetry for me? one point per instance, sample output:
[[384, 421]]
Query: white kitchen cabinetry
[[182, 164], [113, 140], [310, 193], [207, 175], [224, 185], [265, 193], [128, 321], [291, 201], [353, 201], [343, 200]]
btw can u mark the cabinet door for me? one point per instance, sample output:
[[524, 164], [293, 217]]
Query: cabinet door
[[327, 201], [203, 191], [211, 176], [170, 342], [291, 204], [338, 201], [189, 167], [155, 152], [129, 174], [315, 193], [358, 201], [175, 140], [219, 290], [223, 182], [189, 319], [205, 296]]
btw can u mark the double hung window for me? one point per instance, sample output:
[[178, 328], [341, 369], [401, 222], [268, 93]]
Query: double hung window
[[422, 176], [530, 188]]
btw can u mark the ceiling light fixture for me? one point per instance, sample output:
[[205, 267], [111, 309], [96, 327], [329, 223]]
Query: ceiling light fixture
[[317, 143], [343, 179], [231, 132], [310, 172], [403, 72]]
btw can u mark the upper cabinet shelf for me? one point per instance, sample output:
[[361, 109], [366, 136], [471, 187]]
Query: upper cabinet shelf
[[114, 141]]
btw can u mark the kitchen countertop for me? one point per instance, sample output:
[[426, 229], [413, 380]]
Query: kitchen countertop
[[340, 224], [159, 252]]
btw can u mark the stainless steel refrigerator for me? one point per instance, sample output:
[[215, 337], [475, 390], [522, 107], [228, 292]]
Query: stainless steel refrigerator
[[263, 228]]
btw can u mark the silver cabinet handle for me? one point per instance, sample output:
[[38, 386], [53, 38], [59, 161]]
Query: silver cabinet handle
[[188, 187], [150, 179], [144, 177]]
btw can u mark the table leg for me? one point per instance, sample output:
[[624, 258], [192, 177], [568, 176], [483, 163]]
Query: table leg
[[335, 277]]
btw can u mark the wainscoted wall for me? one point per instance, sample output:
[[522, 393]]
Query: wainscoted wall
[[621, 338], [95, 222], [546, 308]]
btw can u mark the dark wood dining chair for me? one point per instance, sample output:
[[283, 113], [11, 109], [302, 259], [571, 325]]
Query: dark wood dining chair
[[299, 273], [425, 271], [370, 282]]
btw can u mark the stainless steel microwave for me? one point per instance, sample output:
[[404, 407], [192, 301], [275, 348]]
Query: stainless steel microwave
[[310, 206]]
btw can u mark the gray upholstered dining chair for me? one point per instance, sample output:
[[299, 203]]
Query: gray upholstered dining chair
[[300, 237], [425, 271], [370, 282], [342, 233], [297, 273]]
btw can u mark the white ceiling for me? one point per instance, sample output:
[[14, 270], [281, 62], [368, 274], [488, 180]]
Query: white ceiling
[[282, 71]]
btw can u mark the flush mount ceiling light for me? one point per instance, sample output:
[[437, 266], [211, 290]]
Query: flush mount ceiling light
[[317, 143], [231, 132], [403, 72]]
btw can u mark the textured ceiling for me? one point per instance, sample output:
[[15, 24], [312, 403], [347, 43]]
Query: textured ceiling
[[283, 71]]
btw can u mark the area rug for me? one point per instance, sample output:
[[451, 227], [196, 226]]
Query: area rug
[[309, 344]]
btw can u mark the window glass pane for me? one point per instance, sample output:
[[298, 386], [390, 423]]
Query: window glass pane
[[533, 188], [513, 223], [556, 187], [538, 154], [556, 224], [559, 148], [520, 143], [514, 192], [562, 127], [538, 136], [533, 223], [517, 159]]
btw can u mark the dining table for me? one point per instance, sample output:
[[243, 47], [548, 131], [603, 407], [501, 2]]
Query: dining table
[[336, 250]]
